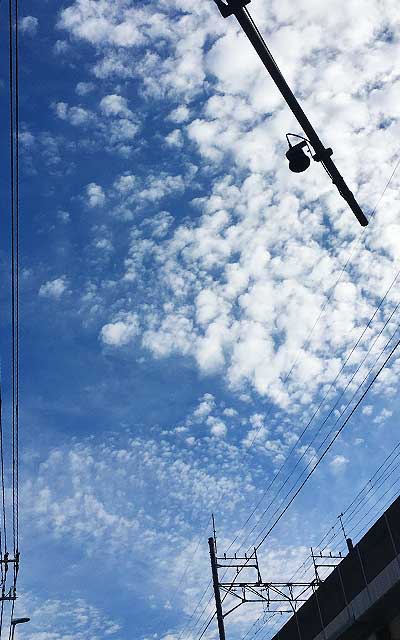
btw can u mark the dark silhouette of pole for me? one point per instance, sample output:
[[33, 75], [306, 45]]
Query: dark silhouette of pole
[[322, 154], [217, 593]]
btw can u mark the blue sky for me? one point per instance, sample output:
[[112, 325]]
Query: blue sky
[[183, 305]]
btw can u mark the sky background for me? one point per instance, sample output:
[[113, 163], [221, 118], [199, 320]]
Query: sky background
[[187, 303]]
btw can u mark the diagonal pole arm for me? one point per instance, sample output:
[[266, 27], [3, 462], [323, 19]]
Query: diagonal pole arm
[[322, 154]]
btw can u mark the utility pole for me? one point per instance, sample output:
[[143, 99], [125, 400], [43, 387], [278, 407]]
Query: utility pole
[[217, 593], [277, 597], [300, 162]]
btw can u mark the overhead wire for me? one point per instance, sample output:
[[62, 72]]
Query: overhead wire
[[12, 203], [331, 411], [342, 413], [355, 242], [17, 256], [326, 450], [9, 593], [308, 447], [376, 375], [307, 565], [344, 268], [305, 429]]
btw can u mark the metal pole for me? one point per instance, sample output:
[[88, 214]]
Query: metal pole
[[218, 604], [321, 153]]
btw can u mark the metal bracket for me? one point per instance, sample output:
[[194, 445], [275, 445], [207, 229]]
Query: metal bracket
[[229, 9], [327, 153]]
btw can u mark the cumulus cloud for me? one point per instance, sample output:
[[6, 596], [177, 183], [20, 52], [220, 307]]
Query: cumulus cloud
[[206, 405], [74, 115], [241, 282], [29, 25], [218, 428], [60, 47], [383, 416], [83, 88], [115, 105], [241, 287], [95, 195], [54, 288], [180, 114], [121, 331], [174, 138], [338, 463]]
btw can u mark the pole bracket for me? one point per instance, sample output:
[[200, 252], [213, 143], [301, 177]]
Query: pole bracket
[[229, 8], [323, 155]]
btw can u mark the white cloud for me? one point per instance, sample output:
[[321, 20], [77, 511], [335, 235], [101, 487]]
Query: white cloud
[[368, 410], [53, 619], [383, 416], [95, 195], [121, 331], [74, 115], [63, 216], [159, 223], [218, 428], [180, 114], [60, 47], [115, 105], [338, 463], [205, 407], [230, 412], [29, 25], [241, 286], [125, 184], [174, 138], [54, 288], [26, 139], [83, 88]]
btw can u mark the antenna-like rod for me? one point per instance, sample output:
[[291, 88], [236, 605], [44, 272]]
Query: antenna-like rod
[[322, 154], [349, 541]]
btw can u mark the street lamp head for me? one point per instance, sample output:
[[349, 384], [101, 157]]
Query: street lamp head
[[298, 160], [15, 621]]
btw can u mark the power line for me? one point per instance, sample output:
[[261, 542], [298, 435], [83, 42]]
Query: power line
[[339, 431], [331, 411], [343, 270], [257, 546], [315, 413], [382, 508], [386, 323], [338, 419]]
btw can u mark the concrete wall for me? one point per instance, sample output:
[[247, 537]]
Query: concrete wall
[[361, 595]]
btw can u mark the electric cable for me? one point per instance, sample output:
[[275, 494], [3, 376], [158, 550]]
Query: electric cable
[[207, 625], [344, 269], [339, 431], [378, 501], [335, 423], [17, 251], [12, 203], [315, 413], [291, 499], [318, 408]]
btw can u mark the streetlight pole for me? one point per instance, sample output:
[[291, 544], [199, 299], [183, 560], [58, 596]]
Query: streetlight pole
[[14, 622], [322, 154]]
